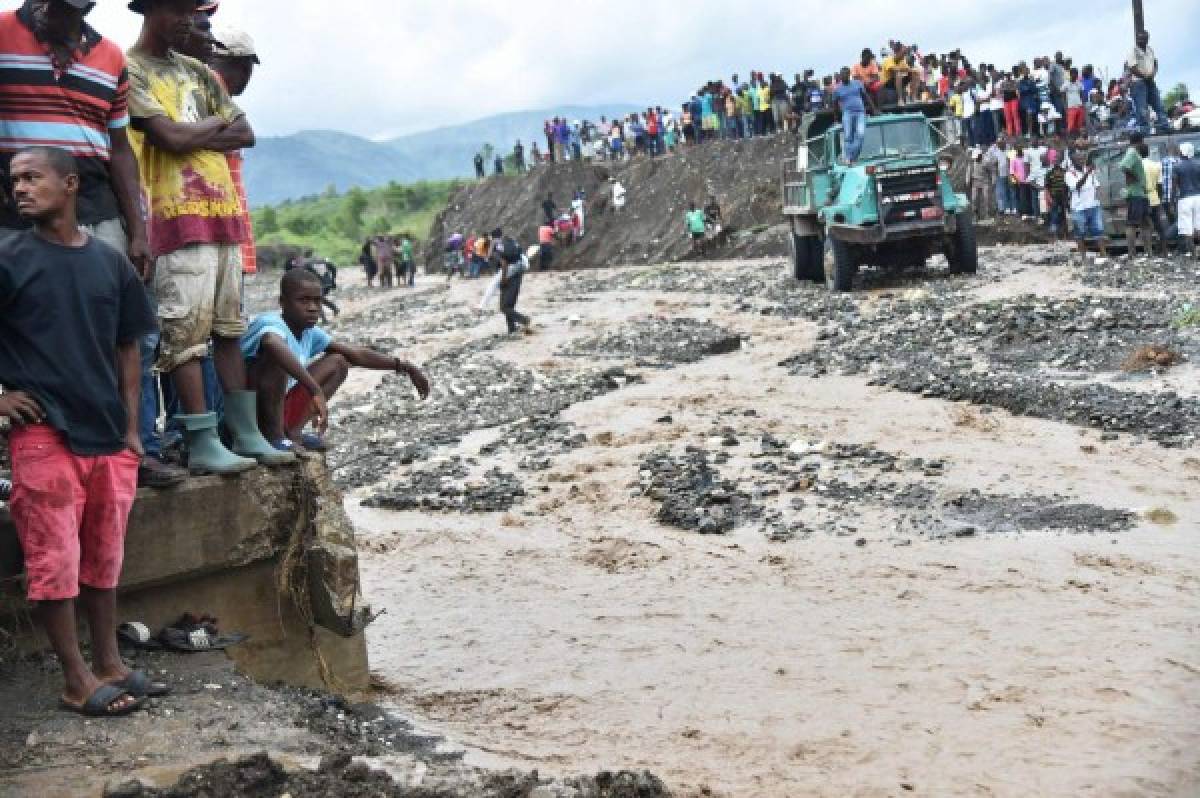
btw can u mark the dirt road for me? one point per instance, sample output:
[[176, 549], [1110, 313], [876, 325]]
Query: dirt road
[[916, 595]]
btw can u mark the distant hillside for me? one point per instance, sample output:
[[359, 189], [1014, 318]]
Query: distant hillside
[[307, 163]]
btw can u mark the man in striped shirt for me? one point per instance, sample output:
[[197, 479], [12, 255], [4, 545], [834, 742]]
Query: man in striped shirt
[[63, 85]]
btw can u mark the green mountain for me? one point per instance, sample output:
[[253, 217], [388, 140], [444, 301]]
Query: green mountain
[[307, 164]]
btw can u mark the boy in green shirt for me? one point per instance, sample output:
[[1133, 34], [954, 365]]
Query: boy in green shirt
[[696, 226]]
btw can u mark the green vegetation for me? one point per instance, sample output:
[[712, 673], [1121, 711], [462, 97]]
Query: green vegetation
[[1187, 316], [1176, 95], [334, 225]]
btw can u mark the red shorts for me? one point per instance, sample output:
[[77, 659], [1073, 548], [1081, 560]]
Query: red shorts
[[70, 513], [295, 407]]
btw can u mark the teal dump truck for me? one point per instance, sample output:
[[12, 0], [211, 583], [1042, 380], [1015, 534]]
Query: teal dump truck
[[893, 208]]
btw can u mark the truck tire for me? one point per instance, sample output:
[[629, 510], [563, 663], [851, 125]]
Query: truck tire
[[962, 252], [807, 258], [840, 267]]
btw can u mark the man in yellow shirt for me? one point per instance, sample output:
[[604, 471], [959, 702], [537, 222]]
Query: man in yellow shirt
[[896, 72], [1153, 181], [186, 122], [762, 106]]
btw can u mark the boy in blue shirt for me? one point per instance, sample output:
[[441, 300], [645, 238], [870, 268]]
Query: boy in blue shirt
[[297, 367]]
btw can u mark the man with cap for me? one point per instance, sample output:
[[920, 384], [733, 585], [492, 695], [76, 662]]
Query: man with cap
[[188, 123], [234, 58], [1187, 187], [66, 86], [199, 43]]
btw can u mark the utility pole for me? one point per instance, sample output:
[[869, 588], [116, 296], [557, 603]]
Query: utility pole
[[1139, 20]]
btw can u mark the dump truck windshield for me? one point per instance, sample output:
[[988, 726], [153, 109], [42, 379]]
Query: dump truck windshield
[[907, 137]]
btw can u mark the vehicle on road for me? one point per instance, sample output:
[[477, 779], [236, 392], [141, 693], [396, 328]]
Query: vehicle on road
[[893, 208]]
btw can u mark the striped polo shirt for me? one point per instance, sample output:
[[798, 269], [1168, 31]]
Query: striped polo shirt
[[74, 108]]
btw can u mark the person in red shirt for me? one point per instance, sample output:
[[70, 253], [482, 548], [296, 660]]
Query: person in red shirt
[[545, 246]]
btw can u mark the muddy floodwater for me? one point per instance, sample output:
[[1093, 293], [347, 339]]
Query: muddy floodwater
[[937, 537]]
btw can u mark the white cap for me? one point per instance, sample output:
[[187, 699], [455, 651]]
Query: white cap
[[1187, 149], [236, 43]]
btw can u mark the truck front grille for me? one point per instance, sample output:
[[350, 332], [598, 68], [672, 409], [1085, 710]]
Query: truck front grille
[[908, 195]]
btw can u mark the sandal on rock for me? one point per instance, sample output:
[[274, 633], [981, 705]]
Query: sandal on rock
[[99, 703], [138, 685]]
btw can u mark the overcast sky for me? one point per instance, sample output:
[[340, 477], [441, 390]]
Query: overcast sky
[[385, 67]]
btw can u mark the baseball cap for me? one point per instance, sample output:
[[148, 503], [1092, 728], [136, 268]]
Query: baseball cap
[[236, 43], [139, 6]]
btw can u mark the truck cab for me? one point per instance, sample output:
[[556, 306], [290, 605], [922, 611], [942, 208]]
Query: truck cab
[[894, 207]]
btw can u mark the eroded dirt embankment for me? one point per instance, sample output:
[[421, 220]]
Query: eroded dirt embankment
[[743, 175]]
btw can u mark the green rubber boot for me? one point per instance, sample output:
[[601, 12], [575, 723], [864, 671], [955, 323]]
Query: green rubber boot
[[206, 453], [241, 421]]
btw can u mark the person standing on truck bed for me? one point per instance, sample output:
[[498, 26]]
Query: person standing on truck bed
[[1137, 218], [1143, 68], [895, 76]]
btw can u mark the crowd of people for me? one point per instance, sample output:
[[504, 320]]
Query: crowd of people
[[1024, 125], [127, 240], [1044, 97], [389, 256], [1055, 182]]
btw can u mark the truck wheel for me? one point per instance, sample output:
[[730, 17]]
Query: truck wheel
[[807, 258], [840, 267], [962, 251]]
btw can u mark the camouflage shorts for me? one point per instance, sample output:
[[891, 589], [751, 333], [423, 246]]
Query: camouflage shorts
[[199, 296]]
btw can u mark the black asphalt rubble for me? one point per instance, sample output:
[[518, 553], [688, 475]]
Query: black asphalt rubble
[[340, 776], [658, 342], [472, 390], [446, 488], [830, 483]]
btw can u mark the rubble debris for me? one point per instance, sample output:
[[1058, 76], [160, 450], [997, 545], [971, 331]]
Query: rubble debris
[[447, 488], [1140, 274], [692, 494], [340, 776], [999, 514], [472, 390], [541, 439], [658, 342]]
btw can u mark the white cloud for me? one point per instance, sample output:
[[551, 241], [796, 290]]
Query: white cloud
[[380, 66]]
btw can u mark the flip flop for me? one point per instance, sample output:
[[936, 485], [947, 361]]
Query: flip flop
[[137, 634], [97, 705], [138, 685], [198, 639]]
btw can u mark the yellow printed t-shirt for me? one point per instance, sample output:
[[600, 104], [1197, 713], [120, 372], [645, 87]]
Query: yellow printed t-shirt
[[1153, 178], [892, 65], [190, 198]]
